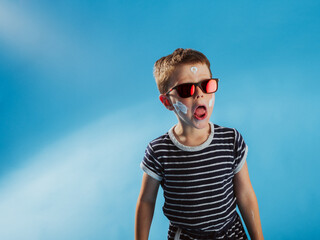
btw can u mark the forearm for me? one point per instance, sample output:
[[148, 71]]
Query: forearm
[[144, 214], [248, 206]]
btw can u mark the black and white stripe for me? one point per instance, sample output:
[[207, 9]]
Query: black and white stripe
[[197, 181], [234, 231]]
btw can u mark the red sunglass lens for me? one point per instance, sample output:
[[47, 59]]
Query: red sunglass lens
[[210, 86], [192, 90], [186, 90]]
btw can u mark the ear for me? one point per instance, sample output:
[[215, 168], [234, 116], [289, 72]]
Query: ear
[[166, 101]]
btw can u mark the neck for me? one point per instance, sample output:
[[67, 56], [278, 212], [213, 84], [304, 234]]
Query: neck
[[191, 136]]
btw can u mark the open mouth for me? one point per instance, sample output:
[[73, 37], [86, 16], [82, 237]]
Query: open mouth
[[200, 112]]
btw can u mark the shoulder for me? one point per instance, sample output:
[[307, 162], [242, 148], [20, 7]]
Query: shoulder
[[228, 134], [225, 130], [163, 139], [160, 143], [220, 131]]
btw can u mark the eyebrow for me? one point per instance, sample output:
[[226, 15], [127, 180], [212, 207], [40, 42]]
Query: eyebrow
[[200, 79]]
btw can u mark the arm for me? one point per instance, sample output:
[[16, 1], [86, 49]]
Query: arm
[[145, 206], [247, 203]]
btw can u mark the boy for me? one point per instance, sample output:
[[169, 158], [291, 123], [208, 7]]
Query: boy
[[201, 166]]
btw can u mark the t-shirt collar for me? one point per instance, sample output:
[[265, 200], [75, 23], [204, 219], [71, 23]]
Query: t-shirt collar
[[191, 148]]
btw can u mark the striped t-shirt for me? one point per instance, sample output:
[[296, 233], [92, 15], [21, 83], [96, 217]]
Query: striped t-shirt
[[197, 181]]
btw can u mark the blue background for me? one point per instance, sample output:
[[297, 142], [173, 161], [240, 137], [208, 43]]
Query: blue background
[[78, 105]]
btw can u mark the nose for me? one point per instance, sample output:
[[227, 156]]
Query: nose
[[198, 93]]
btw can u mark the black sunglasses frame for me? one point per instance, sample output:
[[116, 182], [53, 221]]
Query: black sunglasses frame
[[198, 84]]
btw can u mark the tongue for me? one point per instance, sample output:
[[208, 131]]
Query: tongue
[[200, 111]]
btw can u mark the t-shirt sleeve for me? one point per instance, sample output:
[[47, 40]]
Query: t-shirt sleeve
[[240, 152], [150, 165]]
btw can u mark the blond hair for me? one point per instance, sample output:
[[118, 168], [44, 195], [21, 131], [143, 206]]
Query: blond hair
[[165, 66]]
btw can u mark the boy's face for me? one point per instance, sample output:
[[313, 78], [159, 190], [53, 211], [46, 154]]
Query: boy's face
[[193, 111]]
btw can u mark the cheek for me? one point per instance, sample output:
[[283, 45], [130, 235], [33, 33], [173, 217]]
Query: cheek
[[211, 101], [180, 107]]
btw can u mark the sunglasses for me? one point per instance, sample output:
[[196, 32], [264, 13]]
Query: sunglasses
[[186, 90]]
